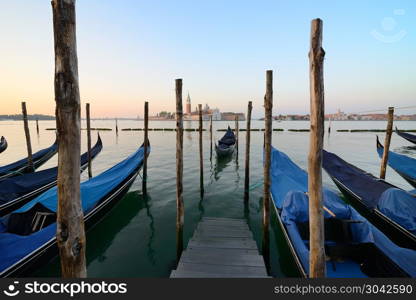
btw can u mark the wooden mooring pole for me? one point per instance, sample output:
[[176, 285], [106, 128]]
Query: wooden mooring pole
[[87, 110], [70, 232], [201, 158], [389, 131], [247, 166], [236, 136], [316, 217], [116, 126], [268, 107], [37, 126], [179, 170], [146, 144], [210, 137], [27, 134]]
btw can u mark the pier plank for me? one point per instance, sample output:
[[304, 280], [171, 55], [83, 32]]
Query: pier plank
[[221, 247]]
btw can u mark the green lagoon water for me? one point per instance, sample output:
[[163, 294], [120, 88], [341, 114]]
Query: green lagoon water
[[137, 238]]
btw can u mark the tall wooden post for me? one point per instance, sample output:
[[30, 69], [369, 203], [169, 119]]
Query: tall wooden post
[[316, 217], [201, 159], [27, 134], [179, 170], [389, 130], [236, 136], [268, 107], [146, 144], [247, 167], [210, 137], [116, 126], [37, 126], [87, 110], [70, 219]]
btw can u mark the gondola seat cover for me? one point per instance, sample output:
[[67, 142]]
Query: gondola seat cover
[[401, 163], [400, 206], [289, 187], [14, 247], [20, 163]]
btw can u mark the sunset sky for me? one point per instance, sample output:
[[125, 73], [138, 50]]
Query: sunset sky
[[130, 51]]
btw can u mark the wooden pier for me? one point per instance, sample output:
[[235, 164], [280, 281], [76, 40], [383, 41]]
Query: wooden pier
[[221, 248]]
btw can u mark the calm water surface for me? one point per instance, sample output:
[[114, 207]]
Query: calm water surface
[[137, 238]]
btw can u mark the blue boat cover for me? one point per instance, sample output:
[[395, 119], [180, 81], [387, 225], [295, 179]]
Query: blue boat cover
[[366, 186], [21, 163], [289, 194], [400, 163], [15, 187], [228, 139], [14, 247]]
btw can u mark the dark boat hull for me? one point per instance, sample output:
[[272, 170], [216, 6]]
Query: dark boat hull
[[49, 250], [391, 229], [224, 152], [3, 144]]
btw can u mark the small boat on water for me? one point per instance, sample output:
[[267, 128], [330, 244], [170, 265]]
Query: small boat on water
[[226, 144], [353, 246], [407, 136], [21, 166], [17, 191], [404, 165], [388, 207], [3, 144], [28, 235]]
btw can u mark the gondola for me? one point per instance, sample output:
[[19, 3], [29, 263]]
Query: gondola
[[3, 144], [353, 246], [226, 144], [388, 207], [407, 136], [404, 165], [18, 190], [21, 166], [27, 235]]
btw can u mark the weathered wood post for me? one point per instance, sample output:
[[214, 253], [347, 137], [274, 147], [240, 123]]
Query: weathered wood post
[[116, 126], [27, 134], [70, 218], [236, 135], [268, 107], [210, 137], [329, 126], [87, 110], [146, 144], [179, 170], [37, 126], [316, 217], [201, 159], [247, 167], [389, 131]]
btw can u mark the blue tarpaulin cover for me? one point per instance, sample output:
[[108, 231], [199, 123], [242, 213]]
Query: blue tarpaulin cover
[[15, 187], [228, 139], [400, 163], [289, 185], [14, 247], [21, 163]]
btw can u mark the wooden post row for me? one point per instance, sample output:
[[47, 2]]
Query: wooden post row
[[316, 217], [70, 232], [389, 131], [179, 170], [27, 134], [247, 164], [210, 137]]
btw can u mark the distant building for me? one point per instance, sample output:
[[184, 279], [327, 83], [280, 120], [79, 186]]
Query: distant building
[[188, 105], [230, 116]]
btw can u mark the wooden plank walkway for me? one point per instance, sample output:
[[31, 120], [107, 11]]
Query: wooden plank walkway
[[221, 248]]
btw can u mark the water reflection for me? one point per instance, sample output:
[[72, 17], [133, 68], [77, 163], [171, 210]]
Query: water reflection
[[150, 248], [221, 163]]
